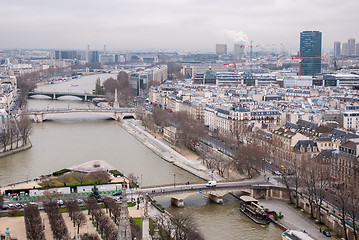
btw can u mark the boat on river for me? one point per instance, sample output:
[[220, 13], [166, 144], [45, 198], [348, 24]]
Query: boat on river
[[250, 208]]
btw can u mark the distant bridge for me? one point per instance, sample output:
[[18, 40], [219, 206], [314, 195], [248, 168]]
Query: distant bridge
[[256, 188], [57, 95], [116, 114]]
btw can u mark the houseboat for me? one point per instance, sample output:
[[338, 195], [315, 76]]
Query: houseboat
[[249, 207]]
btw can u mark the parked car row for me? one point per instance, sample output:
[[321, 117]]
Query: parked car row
[[17, 205]]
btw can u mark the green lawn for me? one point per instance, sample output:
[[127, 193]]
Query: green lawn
[[72, 182], [138, 221]]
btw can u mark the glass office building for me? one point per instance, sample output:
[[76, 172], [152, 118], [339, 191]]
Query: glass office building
[[311, 46]]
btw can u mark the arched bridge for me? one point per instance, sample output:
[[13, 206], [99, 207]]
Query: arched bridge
[[116, 114], [257, 189], [56, 95]]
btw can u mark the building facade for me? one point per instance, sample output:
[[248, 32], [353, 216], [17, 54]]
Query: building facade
[[311, 46], [337, 49], [221, 48], [351, 46]]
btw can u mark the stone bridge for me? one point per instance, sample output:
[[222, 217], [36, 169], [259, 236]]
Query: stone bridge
[[57, 95], [116, 114], [180, 193]]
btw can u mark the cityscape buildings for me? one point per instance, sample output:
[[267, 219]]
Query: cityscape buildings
[[221, 48], [257, 95], [311, 51], [351, 46], [337, 49]]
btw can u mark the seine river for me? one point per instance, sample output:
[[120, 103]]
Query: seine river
[[69, 141]]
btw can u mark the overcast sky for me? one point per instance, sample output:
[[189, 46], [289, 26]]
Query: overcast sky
[[172, 24]]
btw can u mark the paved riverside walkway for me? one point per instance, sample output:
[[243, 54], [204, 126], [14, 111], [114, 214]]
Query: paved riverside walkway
[[293, 219], [169, 154]]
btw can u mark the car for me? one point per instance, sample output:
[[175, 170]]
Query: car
[[4, 207], [60, 202], [33, 203], [117, 193], [211, 184], [10, 206], [327, 233], [79, 201], [118, 199], [276, 173]]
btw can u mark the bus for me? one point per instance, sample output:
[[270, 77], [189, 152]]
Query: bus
[[296, 235]]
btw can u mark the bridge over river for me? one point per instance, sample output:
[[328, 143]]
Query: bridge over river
[[177, 193], [116, 114], [57, 95]]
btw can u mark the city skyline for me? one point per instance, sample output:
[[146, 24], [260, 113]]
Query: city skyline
[[172, 25]]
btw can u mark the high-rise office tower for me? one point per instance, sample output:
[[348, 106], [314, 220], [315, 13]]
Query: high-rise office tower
[[239, 48], [345, 49], [311, 50], [337, 48], [351, 46], [357, 49], [221, 48]]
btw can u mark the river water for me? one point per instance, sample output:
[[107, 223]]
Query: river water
[[72, 140]]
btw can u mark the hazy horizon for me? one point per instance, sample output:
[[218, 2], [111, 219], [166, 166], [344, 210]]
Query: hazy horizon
[[176, 25]]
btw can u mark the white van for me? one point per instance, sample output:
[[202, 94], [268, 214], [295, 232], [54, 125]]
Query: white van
[[211, 184]]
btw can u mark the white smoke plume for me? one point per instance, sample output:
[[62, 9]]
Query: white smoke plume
[[236, 36]]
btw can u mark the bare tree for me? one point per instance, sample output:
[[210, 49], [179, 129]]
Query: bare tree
[[57, 222], [79, 177], [33, 223], [322, 174], [161, 117], [5, 137], [79, 220], [308, 178], [100, 176], [341, 201], [64, 179], [286, 180], [185, 228], [47, 182], [124, 85], [24, 125], [222, 166], [296, 177], [353, 196], [190, 130], [248, 158], [238, 130]]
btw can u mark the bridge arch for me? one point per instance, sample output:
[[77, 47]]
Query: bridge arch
[[34, 96], [128, 117], [71, 97]]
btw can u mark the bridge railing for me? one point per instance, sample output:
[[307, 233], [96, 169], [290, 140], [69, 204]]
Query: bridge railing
[[81, 109], [170, 185]]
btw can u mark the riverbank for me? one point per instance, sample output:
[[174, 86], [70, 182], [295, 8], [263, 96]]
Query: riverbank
[[167, 153], [293, 219], [16, 150]]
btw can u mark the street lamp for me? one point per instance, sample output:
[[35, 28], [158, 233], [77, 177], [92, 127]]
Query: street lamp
[[141, 181], [174, 180]]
